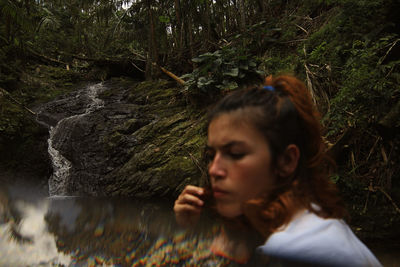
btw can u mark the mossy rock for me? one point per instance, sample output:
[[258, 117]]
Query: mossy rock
[[167, 153]]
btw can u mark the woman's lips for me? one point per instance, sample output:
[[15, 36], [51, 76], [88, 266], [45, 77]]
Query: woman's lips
[[219, 193]]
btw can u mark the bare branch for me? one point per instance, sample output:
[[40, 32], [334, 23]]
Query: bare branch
[[8, 95]]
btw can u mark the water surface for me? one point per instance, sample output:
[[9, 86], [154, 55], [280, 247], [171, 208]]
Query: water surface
[[37, 230]]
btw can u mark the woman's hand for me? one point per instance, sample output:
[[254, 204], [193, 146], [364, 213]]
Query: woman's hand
[[188, 206]]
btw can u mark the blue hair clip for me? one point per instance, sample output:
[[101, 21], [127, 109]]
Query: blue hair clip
[[269, 88]]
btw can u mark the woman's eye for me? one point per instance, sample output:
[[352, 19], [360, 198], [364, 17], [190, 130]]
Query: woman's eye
[[236, 155]]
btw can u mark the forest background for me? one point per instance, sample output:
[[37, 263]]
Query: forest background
[[346, 51]]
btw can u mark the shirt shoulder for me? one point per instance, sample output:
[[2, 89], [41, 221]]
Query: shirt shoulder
[[327, 242]]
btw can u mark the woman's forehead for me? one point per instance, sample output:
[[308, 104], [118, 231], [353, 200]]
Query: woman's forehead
[[233, 120], [232, 127]]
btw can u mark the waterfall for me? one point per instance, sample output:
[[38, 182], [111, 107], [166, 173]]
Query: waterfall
[[61, 166]]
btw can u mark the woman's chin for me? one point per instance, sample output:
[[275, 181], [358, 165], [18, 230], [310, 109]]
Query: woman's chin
[[229, 211]]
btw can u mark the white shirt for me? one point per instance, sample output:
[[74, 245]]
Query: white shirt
[[311, 239]]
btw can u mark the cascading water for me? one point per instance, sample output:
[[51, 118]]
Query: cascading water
[[61, 168], [61, 165]]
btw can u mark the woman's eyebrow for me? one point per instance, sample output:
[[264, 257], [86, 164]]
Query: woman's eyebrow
[[227, 145]]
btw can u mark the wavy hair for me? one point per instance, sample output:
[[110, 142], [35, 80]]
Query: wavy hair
[[286, 115]]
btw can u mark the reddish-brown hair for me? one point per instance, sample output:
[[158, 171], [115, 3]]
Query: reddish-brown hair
[[286, 115]]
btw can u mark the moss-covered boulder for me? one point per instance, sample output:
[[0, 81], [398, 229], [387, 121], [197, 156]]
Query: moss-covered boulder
[[167, 153], [143, 140]]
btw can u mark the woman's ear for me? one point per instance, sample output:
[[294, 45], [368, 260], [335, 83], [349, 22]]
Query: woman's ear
[[288, 160]]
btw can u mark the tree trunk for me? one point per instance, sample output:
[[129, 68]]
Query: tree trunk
[[229, 17], [8, 28], [242, 15], [218, 11], [207, 18], [152, 50], [190, 33], [263, 8], [178, 27]]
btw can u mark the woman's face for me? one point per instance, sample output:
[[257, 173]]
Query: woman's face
[[240, 167]]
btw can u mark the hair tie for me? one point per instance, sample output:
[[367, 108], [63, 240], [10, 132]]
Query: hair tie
[[269, 88]]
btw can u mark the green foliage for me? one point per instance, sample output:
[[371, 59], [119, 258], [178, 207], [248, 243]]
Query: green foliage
[[369, 86], [280, 62], [48, 21], [353, 60], [318, 52], [222, 70], [164, 19]]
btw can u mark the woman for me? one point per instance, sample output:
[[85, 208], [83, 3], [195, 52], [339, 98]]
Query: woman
[[268, 169]]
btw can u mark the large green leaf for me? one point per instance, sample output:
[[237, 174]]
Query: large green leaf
[[234, 72], [198, 60]]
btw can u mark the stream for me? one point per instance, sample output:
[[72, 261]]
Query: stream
[[88, 231]]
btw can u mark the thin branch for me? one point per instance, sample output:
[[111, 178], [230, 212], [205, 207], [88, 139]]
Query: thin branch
[[366, 203], [387, 52], [308, 73], [302, 17], [373, 148], [46, 58], [170, 74], [137, 54], [301, 28], [196, 162], [293, 41], [8, 95], [390, 199], [119, 21], [133, 64], [384, 156], [348, 112]]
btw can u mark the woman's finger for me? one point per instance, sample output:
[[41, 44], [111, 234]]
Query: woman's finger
[[193, 190], [186, 208], [189, 199]]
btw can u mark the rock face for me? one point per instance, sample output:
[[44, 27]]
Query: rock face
[[141, 140]]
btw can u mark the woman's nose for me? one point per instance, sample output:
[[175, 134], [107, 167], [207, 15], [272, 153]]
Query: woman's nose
[[216, 168]]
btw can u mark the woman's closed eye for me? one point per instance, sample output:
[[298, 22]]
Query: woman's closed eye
[[228, 151], [236, 155]]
